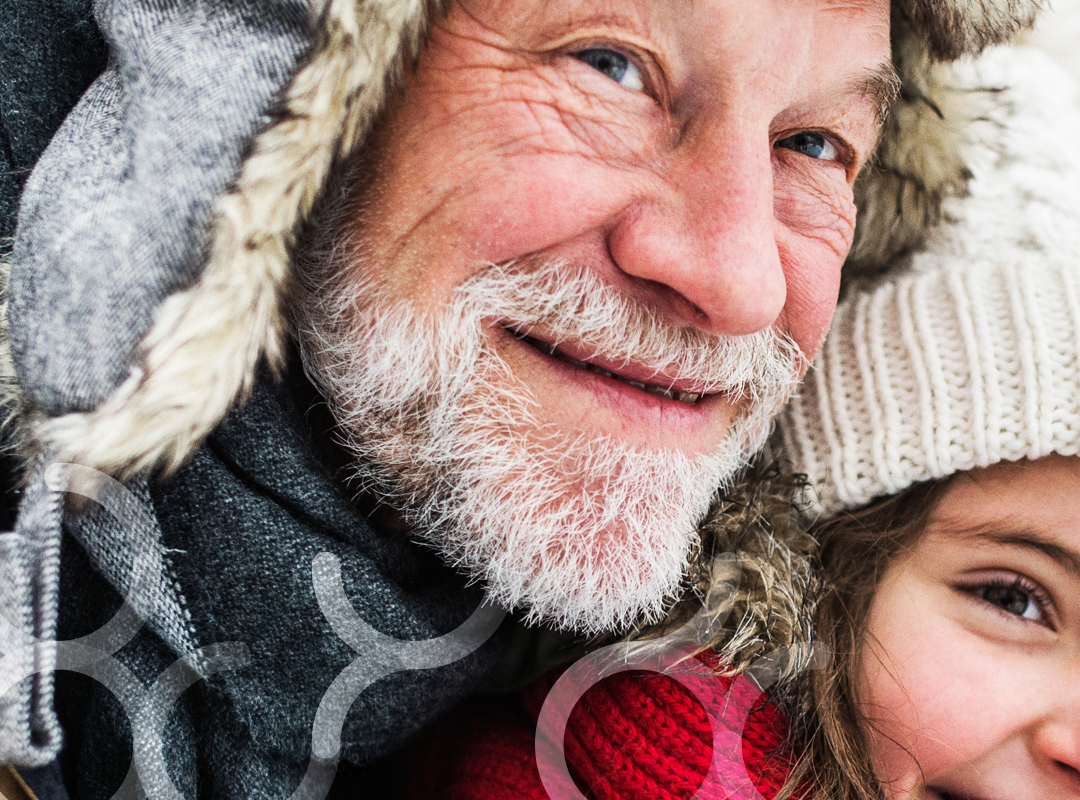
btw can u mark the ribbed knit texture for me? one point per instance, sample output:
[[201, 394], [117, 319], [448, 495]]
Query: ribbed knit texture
[[633, 736], [972, 355]]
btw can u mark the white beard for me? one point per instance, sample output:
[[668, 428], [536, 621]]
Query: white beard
[[584, 532]]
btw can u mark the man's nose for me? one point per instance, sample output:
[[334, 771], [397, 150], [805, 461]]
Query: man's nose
[[705, 235]]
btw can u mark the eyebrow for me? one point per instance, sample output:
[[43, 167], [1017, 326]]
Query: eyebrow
[[882, 85], [1069, 559], [1018, 536]]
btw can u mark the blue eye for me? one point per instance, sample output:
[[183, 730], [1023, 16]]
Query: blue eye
[[812, 145], [613, 64]]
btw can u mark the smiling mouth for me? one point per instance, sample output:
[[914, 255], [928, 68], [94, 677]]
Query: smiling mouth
[[687, 398]]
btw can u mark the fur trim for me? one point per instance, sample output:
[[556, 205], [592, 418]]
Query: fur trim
[[16, 411], [11, 396], [954, 28], [919, 161], [202, 353], [765, 592]]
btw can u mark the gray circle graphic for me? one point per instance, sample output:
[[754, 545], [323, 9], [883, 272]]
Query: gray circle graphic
[[147, 708], [380, 655], [674, 656]]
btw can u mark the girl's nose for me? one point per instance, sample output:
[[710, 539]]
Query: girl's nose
[[1057, 739]]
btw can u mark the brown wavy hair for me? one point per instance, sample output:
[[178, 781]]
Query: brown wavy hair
[[856, 549]]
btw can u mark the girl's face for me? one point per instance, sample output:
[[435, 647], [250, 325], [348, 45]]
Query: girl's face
[[970, 675]]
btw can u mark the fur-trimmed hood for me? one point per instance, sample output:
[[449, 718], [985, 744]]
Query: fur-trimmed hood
[[151, 269]]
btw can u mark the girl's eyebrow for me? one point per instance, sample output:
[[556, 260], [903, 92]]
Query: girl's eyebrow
[[1065, 556], [1017, 535]]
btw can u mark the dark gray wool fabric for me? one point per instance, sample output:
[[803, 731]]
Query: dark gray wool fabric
[[241, 525], [50, 52], [102, 241], [113, 218]]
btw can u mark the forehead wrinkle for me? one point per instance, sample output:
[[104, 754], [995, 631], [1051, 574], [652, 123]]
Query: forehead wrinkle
[[585, 17]]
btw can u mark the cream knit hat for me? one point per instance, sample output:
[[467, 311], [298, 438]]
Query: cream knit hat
[[971, 354]]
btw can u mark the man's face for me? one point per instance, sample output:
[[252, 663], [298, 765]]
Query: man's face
[[589, 241], [698, 157]]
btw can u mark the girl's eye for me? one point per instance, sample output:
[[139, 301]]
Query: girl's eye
[[615, 65], [1013, 599], [812, 145]]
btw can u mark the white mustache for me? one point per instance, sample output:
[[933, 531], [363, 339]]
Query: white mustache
[[574, 305]]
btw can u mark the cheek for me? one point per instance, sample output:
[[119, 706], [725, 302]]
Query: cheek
[[533, 202], [812, 273], [927, 687], [815, 218], [497, 170], [813, 282], [898, 698]]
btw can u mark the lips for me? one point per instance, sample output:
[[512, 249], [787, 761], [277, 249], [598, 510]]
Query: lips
[[668, 392]]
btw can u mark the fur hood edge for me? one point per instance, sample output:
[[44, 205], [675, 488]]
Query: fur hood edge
[[751, 583], [201, 355]]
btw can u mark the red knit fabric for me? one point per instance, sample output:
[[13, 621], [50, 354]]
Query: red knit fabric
[[633, 736], [477, 753]]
